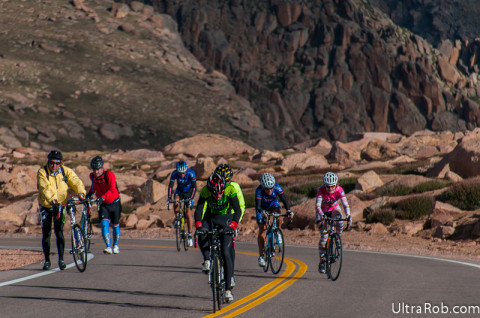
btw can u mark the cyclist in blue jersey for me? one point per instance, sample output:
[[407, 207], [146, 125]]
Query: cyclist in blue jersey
[[186, 189], [266, 199]]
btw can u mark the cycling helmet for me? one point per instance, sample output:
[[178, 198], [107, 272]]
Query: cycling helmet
[[225, 171], [330, 179], [216, 183], [267, 181], [181, 166], [96, 163], [55, 155]]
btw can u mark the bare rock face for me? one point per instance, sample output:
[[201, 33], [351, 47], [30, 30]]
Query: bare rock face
[[344, 67], [464, 159]]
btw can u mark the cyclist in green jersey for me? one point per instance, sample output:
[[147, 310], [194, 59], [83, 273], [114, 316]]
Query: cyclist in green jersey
[[226, 172], [220, 202]]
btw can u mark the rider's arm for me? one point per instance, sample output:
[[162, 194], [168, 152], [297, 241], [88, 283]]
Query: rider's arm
[[237, 211], [258, 204], [170, 187], [282, 197], [46, 191], [346, 207], [198, 215], [74, 182], [194, 189], [318, 207]]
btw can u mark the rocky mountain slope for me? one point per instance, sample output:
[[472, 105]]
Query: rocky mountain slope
[[330, 69], [124, 74]]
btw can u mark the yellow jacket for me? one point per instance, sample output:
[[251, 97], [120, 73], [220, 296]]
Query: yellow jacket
[[55, 188]]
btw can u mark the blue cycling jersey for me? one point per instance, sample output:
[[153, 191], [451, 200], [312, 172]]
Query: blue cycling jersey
[[269, 202], [183, 184]]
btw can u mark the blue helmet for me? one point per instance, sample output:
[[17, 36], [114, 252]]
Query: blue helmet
[[181, 166]]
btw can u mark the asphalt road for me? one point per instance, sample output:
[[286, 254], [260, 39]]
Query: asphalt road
[[149, 278]]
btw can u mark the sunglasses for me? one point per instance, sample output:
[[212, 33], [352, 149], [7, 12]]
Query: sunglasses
[[53, 163], [331, 186]]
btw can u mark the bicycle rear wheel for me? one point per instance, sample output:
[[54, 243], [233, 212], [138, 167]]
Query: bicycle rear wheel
[[334, 257], [277, 250], [79, 250], [221, 284]]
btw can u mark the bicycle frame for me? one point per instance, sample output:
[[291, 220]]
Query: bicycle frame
[[216, 277], [79, 248]]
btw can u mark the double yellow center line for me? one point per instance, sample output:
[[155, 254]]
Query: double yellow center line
[[267, 291]]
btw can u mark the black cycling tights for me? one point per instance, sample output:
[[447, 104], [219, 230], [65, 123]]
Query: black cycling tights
[[46, 232]]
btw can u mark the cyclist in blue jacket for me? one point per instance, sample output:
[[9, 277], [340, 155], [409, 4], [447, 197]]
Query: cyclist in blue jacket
[[186, 189], [266, 199]]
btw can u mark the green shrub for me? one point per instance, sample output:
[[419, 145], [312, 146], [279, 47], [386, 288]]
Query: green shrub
[[414, 208], [307, 189], [396, 190], [382, 215], [348, 184], [430, 186], [249, 200], [464, 196]]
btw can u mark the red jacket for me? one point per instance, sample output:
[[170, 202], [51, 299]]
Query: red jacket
[[105, 186]]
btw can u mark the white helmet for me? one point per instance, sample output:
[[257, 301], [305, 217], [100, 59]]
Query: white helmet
[[267, 181], [330, 179]]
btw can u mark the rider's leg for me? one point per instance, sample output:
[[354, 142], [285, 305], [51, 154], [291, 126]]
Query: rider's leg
[[58, 228], [189, 218], [261, 238], [46, 218], [323, 240], [105, 224], [227, 260], [338, 224]]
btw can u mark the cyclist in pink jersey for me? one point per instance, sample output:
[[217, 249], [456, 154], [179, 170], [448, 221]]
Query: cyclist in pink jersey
[[328, 196]]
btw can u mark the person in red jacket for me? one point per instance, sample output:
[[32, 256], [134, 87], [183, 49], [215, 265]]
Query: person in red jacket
[[104, 185]]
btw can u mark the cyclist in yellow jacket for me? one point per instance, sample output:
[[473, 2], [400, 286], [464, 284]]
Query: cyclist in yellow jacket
[[53, 182]]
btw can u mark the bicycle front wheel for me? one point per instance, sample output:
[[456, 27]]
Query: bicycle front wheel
[[334, 257], [89, 233], [221, 284], [184, 236], [214, 282], [79, 250], [277, 250]]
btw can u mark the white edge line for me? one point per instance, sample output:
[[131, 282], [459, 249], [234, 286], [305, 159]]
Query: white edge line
[[51, 271], [419, 256]]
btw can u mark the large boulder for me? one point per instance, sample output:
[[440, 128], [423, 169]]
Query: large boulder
[[464, 159], [208, 145]]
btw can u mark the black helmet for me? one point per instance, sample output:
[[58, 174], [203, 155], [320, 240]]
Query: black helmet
[[216, 183], [55, 155], [96, 163], [225, 171]]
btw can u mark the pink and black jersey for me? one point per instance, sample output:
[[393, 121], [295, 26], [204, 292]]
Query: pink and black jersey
[[327, 202]]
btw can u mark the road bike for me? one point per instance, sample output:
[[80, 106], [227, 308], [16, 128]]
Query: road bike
[[179, 223], [216, 277], [334, 249], [274, 249], [79, 243]]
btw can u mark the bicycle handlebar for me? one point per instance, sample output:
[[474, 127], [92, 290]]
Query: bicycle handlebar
[[327, 218]]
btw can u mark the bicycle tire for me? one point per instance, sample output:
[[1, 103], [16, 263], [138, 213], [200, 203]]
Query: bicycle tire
[[277, 251], [334, 257], [184, 236], [79, 248], [178, 234], [89, 234], [213, 280], [267, 251]]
